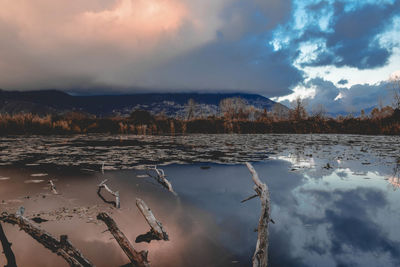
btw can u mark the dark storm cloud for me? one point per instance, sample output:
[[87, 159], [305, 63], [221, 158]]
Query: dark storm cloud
[[353, 39], [157, 45], [248, 66], [343, 81]]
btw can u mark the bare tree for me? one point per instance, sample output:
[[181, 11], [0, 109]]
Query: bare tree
[[279, 112], [319, 112], [298, 111], [395, 83], [233, 108], [190, 109]]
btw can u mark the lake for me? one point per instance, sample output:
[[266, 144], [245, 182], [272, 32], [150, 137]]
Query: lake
[[335, 199]]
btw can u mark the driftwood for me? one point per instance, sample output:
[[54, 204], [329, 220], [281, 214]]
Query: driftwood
[[156, 229], [62, 248], [53, 187], [260, 257], [161, 179], [7, 249], [137, 258], [102, 185]]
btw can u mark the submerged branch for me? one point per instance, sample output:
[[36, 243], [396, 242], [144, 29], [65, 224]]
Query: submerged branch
[[260, 257], [137, 258], [157, 231], [102, 185], [62, 248], [161, 179], [7, 249]]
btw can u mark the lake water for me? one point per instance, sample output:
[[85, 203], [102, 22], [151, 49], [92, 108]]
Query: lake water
[[335, 198]]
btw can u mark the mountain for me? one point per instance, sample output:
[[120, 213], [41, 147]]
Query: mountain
[[171, 104]]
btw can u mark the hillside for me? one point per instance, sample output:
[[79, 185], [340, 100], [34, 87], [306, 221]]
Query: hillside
[[171, 104]]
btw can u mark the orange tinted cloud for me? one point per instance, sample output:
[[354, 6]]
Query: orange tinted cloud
[[131, 20]]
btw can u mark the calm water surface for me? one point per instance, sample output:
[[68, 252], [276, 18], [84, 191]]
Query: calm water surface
[[334, 198]]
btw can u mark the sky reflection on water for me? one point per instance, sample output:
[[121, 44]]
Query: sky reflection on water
[[346, 216], [335, 201]]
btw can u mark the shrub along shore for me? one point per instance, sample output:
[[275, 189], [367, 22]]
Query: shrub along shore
[[142, 122]]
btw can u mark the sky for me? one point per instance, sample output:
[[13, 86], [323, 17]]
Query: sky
[[341, 54]]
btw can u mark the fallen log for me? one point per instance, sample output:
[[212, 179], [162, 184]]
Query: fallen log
[[62, 248], [157, 231], [7, 249], [102, 185], [161, 179], [260, 257], [137, 258]]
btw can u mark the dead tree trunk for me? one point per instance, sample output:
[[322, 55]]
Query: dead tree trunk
[[7, 249], [156, 229], [62, 248], [260, 257], [102, 185], [137, 258], [160, 178]]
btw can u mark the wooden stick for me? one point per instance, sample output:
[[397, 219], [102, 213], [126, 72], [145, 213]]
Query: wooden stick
[[53, 187], [62, 248], [160, 178], [260, 257], [7, 249], [251, 197], [157, 231], [137, 258], [116, 194]]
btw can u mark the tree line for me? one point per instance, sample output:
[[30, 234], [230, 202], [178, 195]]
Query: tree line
[[235, 116]]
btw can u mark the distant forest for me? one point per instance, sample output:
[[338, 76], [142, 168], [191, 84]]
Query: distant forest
[[235, 116]]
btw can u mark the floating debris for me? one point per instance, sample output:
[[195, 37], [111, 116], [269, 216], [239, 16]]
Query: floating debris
[[142, 176], [33, 181], [4, 178], [39, 174]]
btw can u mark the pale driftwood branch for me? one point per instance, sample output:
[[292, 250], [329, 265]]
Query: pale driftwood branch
[[7, 249], [137, 258], [157, 231], [53, 187], [260, 257], [102, 185], [161, 179], [62, 248]]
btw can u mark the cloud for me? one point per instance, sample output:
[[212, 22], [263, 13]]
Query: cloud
[[153, 44], [341, 100]]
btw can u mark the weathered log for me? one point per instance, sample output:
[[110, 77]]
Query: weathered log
[[161, 179], [53, 187], [137, 258], [62, 248], [260, 257], [157, 231], [11, 262], [102, 185]]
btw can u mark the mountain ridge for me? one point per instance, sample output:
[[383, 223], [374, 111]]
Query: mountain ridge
[[171, 104]]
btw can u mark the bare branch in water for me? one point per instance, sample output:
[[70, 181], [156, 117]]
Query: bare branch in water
[[157, 231]]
